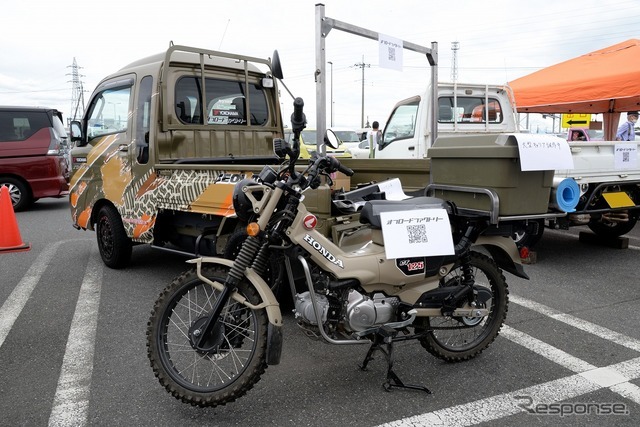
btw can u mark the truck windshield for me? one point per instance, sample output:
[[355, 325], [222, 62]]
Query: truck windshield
[[109, 112], [402, 123]]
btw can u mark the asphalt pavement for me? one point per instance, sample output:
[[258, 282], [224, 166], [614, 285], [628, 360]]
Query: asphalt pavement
[[72, 347]]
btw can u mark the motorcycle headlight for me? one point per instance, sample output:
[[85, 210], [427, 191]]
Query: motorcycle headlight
[[241, 203]]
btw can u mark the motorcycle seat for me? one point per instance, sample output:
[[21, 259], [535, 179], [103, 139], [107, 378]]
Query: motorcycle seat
[[370, 213]]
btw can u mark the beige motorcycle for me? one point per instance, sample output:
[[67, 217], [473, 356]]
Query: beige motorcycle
[[215, 329]]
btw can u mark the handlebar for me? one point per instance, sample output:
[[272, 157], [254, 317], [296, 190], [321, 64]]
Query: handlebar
[[318, 164], [298, 119], [323, 165], [337, 166]]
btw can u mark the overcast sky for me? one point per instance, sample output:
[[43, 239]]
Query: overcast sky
[[500, 40]]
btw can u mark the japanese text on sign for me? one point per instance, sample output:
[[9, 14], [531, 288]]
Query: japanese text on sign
[[390, 52], [543, 152], [415, 233], [626, 156]]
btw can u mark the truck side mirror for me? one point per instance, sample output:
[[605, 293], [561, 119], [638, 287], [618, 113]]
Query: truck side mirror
[[75, 129], [276, 68]]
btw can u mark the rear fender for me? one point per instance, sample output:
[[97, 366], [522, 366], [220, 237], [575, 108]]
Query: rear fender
[[268, 302], [504, 252]]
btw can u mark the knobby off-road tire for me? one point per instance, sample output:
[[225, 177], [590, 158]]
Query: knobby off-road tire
[[238, 357], [463, 342], [113, 242]]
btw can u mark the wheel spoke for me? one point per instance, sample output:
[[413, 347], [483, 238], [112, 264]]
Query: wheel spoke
[[233, 340], [459, 338]]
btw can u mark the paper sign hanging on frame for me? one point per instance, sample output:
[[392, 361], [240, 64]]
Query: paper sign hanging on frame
[[390, 52]]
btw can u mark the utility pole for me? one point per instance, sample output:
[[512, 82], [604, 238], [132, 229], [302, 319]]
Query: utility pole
[[77, 92], [362, 65], [455, 46]]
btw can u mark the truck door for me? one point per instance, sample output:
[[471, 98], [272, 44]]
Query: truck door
[[400, 137]]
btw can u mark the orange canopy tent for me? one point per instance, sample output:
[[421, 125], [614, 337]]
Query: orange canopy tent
[[606, 81]]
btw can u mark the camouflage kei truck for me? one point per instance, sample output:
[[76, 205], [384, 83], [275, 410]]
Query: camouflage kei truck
[[165, 139], [161, 145]]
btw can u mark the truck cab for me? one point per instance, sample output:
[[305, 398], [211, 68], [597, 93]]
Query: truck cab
[[163, 141], [462, 109]]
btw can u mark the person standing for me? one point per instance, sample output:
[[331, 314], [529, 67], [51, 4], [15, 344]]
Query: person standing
[[626, 131], [375, 139]]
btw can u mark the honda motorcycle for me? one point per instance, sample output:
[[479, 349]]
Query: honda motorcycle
[[214, 330]]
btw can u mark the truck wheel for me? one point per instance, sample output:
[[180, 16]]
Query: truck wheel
[[612, 229], [528, 234], [19, 192], [113, 242]]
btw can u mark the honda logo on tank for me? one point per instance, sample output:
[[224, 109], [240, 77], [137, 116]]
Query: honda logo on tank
[[310, 222]]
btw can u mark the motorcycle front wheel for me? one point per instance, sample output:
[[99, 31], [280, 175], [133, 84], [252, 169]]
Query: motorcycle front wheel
[[456, 339], [236, 354]]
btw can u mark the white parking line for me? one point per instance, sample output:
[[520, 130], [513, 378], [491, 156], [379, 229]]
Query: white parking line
[[548, 351], [71, 402], [16, 301], [578, 323], [500, 406], [588, 378]]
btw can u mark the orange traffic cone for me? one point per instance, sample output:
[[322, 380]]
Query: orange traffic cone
[[10, 240]]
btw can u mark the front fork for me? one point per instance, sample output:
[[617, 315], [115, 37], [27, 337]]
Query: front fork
[[202, 334]]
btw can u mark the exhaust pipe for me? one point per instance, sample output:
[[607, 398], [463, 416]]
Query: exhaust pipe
[[616, 216]]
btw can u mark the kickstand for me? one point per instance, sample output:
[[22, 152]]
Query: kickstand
[[385, 336]]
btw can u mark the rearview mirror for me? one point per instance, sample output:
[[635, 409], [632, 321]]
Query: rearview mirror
[[331, 139], [75, 130], [276, 68]]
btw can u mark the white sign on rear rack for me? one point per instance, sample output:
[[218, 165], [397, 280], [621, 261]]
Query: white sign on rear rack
[[416, 233]]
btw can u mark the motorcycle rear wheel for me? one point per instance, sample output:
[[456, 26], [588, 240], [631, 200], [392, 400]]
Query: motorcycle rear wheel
[[223, 373], [458, 339]]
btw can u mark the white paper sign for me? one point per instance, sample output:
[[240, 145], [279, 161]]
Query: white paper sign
[[392, 189], [626, 156], [416, 233], [390, 52], [543, 152]]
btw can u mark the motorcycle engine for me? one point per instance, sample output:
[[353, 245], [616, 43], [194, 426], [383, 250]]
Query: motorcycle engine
[[304, 308], [362, 312]]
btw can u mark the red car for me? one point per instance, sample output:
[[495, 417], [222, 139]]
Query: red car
[[33, 160]]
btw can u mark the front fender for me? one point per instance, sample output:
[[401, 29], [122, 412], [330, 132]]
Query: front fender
[[269, 301], [504, 252]]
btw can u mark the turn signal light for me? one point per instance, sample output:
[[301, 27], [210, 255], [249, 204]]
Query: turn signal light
[[253, 229]]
